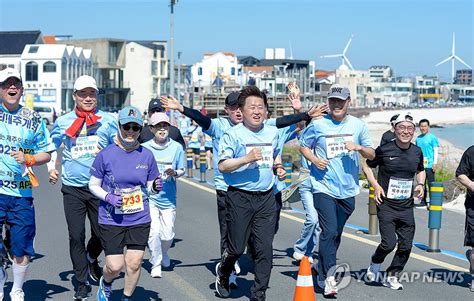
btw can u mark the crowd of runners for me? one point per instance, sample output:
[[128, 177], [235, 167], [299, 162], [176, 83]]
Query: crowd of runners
[[122, 174]]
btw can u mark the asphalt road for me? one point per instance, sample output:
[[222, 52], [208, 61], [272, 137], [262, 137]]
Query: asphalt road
[[196, 250]]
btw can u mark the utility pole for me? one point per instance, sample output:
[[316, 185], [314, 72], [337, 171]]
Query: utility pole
[[172, 3], [179, 77]]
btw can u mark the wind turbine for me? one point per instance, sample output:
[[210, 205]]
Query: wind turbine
[[342, 55], [453, 57]]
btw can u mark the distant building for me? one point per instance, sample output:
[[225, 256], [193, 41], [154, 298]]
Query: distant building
[[216, 70], [463, 77], [356, 81], [380, 72], [49, 71], [393, 93], [248, 60], [426, 88], [146, 71], [12, 44], [108, 57]]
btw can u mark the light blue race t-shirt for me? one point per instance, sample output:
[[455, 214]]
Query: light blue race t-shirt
[[238, 142], [171, 156], [79, 153], [22, 130], [427, 143], [194, 134], [326, 138], [285, 135], [217, 129]]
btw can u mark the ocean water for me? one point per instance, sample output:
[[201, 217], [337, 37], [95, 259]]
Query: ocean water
[[461, 135]]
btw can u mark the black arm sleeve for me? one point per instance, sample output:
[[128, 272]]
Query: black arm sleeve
[[283, 122], [377, 160], [203, 121]]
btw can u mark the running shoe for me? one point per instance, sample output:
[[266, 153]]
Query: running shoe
[[95, 271], [83, 292], [330, 288], [373, 272], [222, 283], [104, 292], [392, 282], [299, 256], [17, 295]]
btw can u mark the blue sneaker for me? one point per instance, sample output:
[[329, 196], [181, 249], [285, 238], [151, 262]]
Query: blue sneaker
[[104, 292]]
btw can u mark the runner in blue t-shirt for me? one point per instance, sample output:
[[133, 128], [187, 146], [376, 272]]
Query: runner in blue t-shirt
[[429, 145], [24, 142], [248, 158], [193, 137], [216, 127], [123, 176], [332, 145], [82, 133], [169, 156]]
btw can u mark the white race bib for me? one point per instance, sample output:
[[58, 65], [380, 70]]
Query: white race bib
[[162, 166], [336, 145], [132, 201], [399, 189], [85, 146], [267, 155]]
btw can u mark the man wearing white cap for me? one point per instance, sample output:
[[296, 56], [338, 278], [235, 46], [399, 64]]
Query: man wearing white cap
[[332, 145], [25, 142], [169, 156], [83, 132], [398, 161]]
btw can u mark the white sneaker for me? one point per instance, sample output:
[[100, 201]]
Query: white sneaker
[[392, 282], [237, 268], [1, 296], [17, 295], [330, 289], [165, 261], [299, 256], [373, 272], [156, 272], [233, 280]]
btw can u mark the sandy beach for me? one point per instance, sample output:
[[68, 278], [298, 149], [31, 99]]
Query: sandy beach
[[449, 154]]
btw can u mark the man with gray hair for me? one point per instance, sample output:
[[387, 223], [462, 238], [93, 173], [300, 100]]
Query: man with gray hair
[[83, 132]]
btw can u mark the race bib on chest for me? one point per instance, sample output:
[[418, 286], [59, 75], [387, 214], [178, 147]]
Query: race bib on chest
[[132, 201], [399, 189], [162, 167], [336, 145], [267, 155], [85, 146]]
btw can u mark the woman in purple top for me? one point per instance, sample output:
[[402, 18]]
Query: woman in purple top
[[122, 176]]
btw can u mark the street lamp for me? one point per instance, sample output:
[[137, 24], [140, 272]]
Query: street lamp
[[172, 3]]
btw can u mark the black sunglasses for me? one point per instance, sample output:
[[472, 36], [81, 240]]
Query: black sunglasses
[[135, 128]]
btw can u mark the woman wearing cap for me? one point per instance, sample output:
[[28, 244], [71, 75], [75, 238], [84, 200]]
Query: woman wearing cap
[[398, 161], [122, 176], [169, 156]]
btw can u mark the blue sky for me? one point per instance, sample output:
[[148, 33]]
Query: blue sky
[[411, 36]]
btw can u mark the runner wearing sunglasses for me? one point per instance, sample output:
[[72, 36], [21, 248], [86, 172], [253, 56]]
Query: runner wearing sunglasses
[[123, 176]]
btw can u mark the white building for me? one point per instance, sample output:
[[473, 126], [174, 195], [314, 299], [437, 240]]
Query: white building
[[213, 65], [49, 71], [146, 71], [355, 80], [392, 93], [380, 72]]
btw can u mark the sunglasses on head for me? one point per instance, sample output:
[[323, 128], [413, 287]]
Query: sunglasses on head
[[135, 128]]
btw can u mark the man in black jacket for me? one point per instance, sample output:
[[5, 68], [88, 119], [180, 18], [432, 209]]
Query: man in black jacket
[[153, 107]]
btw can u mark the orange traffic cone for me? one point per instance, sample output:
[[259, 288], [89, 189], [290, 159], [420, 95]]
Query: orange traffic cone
[[304, 284]]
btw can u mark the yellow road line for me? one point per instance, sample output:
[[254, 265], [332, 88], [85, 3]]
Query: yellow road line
[[351, 236]]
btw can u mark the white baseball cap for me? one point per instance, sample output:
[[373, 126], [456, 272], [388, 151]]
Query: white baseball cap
[[9, 72], [85, 81], [338, 91], [158, 117], [404, 117]]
